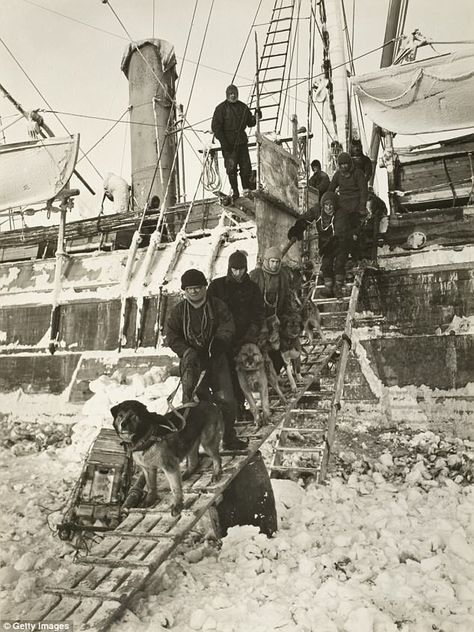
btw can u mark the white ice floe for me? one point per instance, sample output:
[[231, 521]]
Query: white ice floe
[[377, 553]]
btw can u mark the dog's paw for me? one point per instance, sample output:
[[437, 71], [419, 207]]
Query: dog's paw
[[188, 472], [265, 419], [258, 421], [150, 499], [216, 477], [176, 508]]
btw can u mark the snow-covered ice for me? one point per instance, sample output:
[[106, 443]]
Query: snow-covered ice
[[385, 546]]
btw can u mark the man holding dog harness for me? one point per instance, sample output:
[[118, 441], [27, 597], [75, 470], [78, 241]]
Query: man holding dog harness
[[200, 330]]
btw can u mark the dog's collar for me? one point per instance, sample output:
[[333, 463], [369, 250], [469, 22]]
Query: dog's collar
[[144, 443], [151, 437]]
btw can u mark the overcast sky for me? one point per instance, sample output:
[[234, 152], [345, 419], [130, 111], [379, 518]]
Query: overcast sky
[[71, 51]]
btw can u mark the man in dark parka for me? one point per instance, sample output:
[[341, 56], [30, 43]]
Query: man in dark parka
[[351, 185], [200, 330], [229, 121], [245, 302], [320, 179], [334, 240]]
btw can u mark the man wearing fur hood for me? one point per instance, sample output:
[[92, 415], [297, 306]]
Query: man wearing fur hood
[[274, 284], [334, 240]]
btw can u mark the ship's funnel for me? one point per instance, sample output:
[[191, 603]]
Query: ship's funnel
[[150, 67]]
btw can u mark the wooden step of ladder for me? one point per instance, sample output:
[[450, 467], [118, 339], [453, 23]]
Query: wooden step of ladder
[[272, 66], [122, 563], [312, 421]]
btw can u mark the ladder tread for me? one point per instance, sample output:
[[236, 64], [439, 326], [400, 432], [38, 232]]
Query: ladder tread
[[298, 449], [294, 468], [297, 429]]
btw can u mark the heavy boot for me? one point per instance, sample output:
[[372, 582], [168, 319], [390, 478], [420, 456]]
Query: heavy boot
[[235, 186], [327, 290], [230, 441], [243, 414]]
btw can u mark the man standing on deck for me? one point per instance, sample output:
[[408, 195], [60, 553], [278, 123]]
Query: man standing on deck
[[229, 121], [200, 331], [360, 160], [351, 185]]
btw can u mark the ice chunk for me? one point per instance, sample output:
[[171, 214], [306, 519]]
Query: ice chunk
[[457, 544], [360, 620], [197, 618]]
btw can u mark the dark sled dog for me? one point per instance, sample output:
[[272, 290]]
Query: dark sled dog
[[165, 440]]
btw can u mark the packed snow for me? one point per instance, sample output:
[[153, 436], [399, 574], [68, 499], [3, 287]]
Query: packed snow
[[387, 545]]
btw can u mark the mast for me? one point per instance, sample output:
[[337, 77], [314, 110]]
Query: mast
[[392, 29], [339, 71]]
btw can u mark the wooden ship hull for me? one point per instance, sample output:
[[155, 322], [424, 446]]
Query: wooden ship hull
[[99, 299]]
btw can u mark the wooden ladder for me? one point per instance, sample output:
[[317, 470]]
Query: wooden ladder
[[307, 432], [122, 563], [272, 67]]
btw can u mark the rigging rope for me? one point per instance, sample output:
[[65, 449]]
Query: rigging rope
[[373, 50], [125, 39], [327, 62], [145, 61], [246, 41], [174, 103], [153, 20], [292, 52], [124, 145], [19, 117], [68, 17], [185, 115], [322, 120], [103, 136]]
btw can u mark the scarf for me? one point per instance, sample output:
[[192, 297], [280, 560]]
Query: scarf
[[201, 338]]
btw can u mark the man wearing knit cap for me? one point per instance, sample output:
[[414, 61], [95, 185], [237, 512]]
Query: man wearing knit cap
[[245, 302], [334, 240], [229, 121], [200, 330]]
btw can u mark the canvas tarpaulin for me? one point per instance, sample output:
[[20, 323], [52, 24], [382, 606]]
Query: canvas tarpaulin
[[35, 171], [432, 95]]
